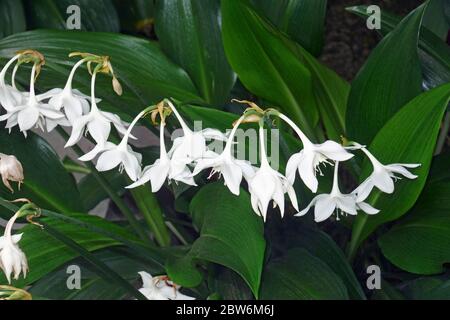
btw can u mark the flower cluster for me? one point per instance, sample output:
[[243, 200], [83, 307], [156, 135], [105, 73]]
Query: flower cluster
[[189, 154]]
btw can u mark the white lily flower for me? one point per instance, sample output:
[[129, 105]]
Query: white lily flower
[[192, 145], [226, 165], [122, 155], [74, 103], [96, 122], [10, 170], [12, 258], [383, 176], [10, 97], [326, 204], [30, 113], [308, 160], [164, 168], [160, 288], [267, 185]]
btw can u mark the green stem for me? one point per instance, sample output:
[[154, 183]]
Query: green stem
[[129, 215], [149, 207]]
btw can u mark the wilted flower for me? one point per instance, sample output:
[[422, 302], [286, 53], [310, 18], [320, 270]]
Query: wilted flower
[[12, 258], [308, 160], [326, 204], [160, 288], [383, 176], [10, 170], [267, 185], [226, 165]]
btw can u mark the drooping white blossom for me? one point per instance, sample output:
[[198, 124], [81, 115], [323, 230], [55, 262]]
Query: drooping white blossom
[[10, 170], [160, 288]]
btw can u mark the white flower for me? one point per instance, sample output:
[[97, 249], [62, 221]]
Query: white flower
[[10, 170], [307, 161], [268, 184], [74, 103], [226, 165], [326, 204], [96, 122], [30, 113], [164, 168], [192, 145], [120, 155], [383, 176], [12, 258], [10, 97], [160, 288]]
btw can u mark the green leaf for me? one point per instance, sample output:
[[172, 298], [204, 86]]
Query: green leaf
[[323, 247], [189, 32], [266, 65], [45, 254], [12, 17], [99, 266], [430, 288], [435, 18], [146, 74], [93, 287], [434, 53], [99, 15], [409, 137], [302, 20], [46, 183], [136, 15], [230, 235], [300, 276], [390, 78], [421, 243]]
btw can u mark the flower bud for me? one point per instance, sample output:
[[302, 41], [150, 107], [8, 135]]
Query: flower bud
[[10, 170]]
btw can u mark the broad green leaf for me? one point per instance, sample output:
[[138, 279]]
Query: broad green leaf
[[409, 137], [421, 243], [230, 235], [136, 15], [12, 17], [390, 78], [93, 287], [45, 253], [300, 276], [302, 20], [434, 53], [99, 15], [189, 32], [145, 73], [429, 288], [437, 18], [46, 183], [320, 245], [263, 59]]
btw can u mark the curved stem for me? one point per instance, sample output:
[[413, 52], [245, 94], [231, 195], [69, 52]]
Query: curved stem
[[232, 134], [183, 124], [72, 73], [5, 69], [297, 130], [33, 75], [93, 103], [262, 143]]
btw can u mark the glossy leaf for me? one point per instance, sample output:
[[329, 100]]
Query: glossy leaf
[[421, 243], [390, 78], [409, 137], [434, 53], [302, 20], [146, 74], [189, 32], [12, 17], [266, 65], [99, 15], [300, 276], [46, 182], [136, 15], [230, 235]]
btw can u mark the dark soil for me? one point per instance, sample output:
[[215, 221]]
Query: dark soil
[[348, 42]]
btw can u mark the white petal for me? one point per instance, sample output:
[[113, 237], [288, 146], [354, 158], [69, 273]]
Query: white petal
[[324, 208], [334, 151], [77, 130], [232, 175], [367, 208], [292, 166], [307, 171], [109, 160], [28, 118], [99, 129]]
